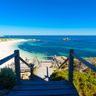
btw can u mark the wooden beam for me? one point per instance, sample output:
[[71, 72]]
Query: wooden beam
[[17, 66], [89, 65], [6, 59], [30, 66], [24, 62], [70, 67], [63, 63]]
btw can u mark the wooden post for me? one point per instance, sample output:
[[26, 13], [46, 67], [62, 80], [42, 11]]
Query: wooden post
[[47, 73], [31, 71], [71, 61], [17, 66]]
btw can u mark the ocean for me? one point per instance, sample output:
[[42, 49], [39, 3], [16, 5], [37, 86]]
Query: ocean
[[84, 46]]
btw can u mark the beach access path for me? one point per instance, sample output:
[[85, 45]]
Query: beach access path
[[44, 71]]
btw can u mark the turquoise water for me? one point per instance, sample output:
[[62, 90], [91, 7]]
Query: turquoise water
[[55, 45]]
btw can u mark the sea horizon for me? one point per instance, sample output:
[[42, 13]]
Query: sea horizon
[[49, 35]]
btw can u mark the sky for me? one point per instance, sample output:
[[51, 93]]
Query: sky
[[47, 17]]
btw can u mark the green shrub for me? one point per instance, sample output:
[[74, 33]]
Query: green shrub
[[85, 83], [59, 75], [7, 78]]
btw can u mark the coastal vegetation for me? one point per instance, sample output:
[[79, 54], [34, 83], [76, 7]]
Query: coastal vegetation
[[84, 81], [7, 39], [7, 78]]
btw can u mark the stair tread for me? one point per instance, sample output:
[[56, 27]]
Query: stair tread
[[44, 82], [51, 88], [43, 87], [44, 92]]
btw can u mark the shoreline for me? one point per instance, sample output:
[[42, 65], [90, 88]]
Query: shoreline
[[26, 54], [6, 49]]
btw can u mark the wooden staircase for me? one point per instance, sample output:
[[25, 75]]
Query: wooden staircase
[[43, 88]]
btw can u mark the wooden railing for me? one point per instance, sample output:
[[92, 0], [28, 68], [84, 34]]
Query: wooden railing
[[17, 59], [72, 55], [71, 58], [65, 61]]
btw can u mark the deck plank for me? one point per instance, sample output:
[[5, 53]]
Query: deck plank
[[43, 87], [44, 82], [51, 88], [44, 92]]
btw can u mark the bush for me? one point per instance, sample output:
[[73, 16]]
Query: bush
[[59, 75], [85, 83], [7, 78]]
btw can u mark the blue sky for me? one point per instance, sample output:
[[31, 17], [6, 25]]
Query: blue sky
[[48, 17]]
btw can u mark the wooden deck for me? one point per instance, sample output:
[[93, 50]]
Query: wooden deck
[[49, 88]]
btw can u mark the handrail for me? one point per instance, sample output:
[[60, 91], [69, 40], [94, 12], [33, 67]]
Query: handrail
[[64, 62], [24, 62], [30, 66], [72, 55], [7, 58], [92, 67], [55, 60]]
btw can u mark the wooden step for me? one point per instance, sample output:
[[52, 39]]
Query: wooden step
[[52, 88], [64, 92], [44, 82], [44, 87]]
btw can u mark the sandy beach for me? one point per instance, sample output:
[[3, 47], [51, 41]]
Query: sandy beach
[[6, 48]]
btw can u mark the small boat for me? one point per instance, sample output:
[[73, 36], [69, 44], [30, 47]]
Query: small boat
[[66, 39], [34, 40]]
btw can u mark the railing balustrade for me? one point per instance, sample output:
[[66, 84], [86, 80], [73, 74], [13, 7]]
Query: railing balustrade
[[71, 57], [17, 59]]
